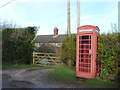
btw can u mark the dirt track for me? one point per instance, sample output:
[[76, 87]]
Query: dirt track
[[21, 78]]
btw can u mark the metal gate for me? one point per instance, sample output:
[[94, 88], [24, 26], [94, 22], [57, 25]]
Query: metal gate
[[46, 59]]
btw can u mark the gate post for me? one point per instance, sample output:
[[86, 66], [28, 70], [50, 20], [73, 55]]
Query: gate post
[[33, 57]]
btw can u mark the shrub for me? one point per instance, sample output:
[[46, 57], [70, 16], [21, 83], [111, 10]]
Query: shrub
[[108, 54], [68, 50], [45, 48], [17, 45]]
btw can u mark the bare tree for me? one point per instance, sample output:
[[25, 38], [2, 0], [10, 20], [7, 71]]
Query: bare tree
[[114, 27], [8, 24]]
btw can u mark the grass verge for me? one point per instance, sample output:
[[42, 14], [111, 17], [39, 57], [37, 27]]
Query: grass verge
[[33, 69], [65, 75], [62, 74], [99, 83], [13, 66]]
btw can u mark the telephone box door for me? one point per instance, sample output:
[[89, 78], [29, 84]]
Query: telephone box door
[[86, 52], [85, 55]]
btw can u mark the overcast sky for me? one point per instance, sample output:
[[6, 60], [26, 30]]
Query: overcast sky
[[53, 13]]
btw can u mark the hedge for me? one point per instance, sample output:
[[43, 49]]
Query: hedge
[[17, 45], [108, 55]]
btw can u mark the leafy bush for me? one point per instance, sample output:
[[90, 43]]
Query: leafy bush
[[45, 48], [17, 45], [68, 50], [108, 54]]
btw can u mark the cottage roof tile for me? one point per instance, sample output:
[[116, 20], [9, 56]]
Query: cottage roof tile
[[49, 38]]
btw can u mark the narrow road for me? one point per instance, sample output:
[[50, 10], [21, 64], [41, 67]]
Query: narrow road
[[21, 78]]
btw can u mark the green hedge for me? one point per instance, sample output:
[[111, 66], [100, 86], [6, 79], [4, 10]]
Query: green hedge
[[17, 45], [108, 54], [68, 50]]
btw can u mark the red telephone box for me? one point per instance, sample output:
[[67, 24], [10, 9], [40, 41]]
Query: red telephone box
[[86, 51]]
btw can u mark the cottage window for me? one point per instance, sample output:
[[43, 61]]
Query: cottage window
[[58, 44]]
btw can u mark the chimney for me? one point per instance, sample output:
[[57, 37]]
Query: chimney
[[55, 31]]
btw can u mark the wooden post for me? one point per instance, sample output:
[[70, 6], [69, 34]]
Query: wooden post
[[33, 57], [68, 18], [78, 13]]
